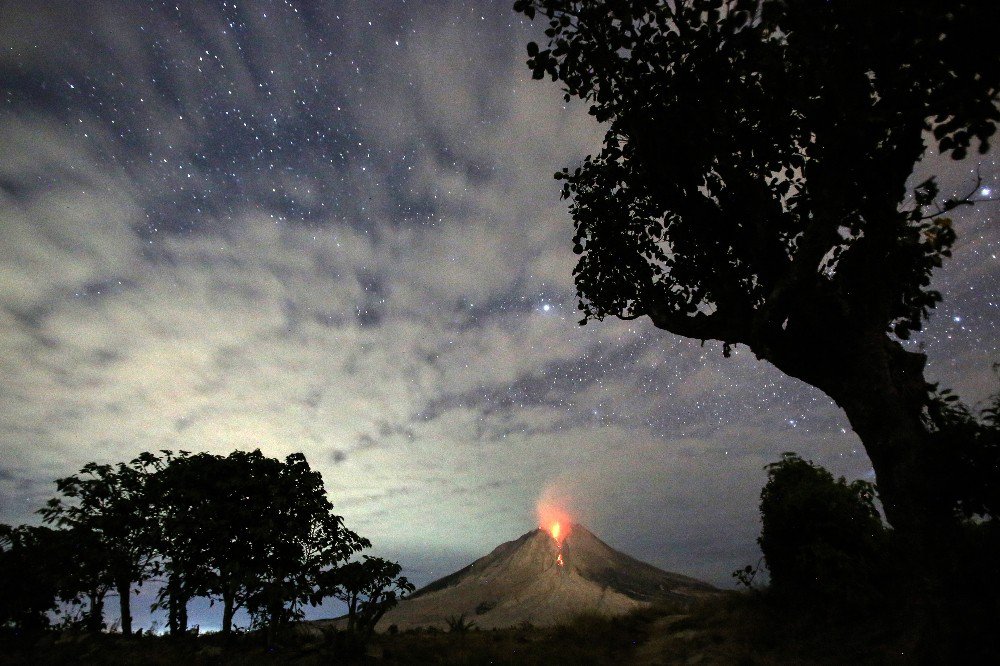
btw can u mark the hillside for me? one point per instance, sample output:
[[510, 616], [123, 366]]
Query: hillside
[[544, 581]]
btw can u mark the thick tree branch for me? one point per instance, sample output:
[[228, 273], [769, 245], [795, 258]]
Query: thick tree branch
[[719, 325]]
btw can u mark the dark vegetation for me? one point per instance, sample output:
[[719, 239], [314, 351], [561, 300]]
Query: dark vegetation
[[822, 539], [586, 640], [730, 629], [259, 533], [836, 592], [837, 570], [245, 530]]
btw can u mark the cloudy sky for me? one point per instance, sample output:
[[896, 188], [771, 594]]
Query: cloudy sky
[[331, 227]]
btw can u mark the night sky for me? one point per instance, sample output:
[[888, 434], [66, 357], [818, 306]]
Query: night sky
[[331, 227]]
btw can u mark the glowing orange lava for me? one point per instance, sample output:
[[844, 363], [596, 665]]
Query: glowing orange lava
[[555, 519]]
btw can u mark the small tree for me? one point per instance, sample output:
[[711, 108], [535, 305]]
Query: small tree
[[110, 503], [822, 538], [86, 578], [370, 587]]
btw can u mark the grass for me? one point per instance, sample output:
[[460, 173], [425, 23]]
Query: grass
[[735, 628]]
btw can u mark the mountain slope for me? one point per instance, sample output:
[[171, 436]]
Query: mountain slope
[[540, 580]]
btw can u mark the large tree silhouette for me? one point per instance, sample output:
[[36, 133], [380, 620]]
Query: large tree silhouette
[[752, 187], [253, 531]]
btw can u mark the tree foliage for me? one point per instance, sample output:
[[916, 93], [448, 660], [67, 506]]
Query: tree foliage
[[758, 153], [110, 503], [298, 537], [236, 491]]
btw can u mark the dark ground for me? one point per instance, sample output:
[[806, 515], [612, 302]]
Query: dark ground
[[732, 629]]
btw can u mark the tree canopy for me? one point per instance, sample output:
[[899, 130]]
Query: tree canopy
[[757, 155]]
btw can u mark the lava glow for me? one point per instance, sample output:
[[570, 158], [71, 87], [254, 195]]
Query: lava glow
[[554, 520], [557, 529]]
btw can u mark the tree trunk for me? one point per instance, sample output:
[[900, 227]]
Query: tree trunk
[[95, 614], [354, 640], [352, 614], [275, 613], [899, 446], [172, 605], [270, 626], [182, 613], [124, 603], [881, 388], [228, 602], [172, 616]]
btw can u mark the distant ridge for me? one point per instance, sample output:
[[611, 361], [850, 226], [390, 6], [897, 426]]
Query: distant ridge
[[540, 580]]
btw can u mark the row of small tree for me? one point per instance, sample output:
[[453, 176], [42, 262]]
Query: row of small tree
[[253, 532]]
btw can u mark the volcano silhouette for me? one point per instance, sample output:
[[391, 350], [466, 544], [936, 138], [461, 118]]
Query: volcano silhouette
[[524, 581]]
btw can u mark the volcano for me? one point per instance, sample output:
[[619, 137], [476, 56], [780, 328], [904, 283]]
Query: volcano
[[545, 578]]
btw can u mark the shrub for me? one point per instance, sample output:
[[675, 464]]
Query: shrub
[[822, 538]]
